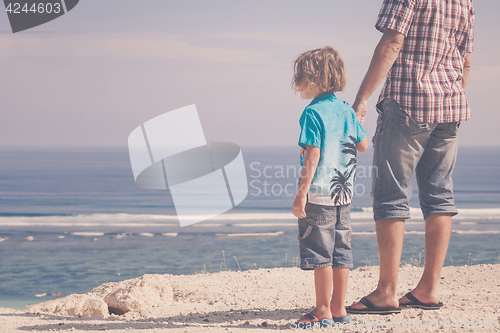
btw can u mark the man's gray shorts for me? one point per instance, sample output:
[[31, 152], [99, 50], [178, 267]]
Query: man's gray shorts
[[403, 146]]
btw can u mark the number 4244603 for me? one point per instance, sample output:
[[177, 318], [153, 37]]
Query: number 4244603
[[40, 8]]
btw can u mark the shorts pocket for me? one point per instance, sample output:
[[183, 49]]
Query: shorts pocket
[[316, 216], [411, 126], [380, 121], [345, 219], [304, 229], [345, 215], [320, 215], [453, 127], [320, 219]]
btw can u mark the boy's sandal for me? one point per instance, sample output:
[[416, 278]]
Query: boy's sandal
[[313, 321], [344, 319]]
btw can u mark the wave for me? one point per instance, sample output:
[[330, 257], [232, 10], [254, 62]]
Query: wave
[[88, 234], [360, 216], [479, 213], [91, 220], [121, 236], [373, 233], [251, 234], [476, 232], [364, 233], [253, 225], [458, 232], [30, 214], [125, 219]]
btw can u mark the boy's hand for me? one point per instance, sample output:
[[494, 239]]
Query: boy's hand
[[360, 107], [299, 206], [361, 120], [311, 161]]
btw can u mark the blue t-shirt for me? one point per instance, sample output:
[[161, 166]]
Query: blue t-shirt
[[331, 125]]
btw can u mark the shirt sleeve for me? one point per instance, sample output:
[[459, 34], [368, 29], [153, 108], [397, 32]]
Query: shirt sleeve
[[396, 15], [311, 130], [470, 35]]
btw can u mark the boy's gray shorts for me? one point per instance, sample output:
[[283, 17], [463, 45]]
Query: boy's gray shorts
[[325, 237]]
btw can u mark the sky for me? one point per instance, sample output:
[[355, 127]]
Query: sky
[[94, 74]]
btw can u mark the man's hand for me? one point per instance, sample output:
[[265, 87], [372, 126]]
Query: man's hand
[[466, 72], [360, 107], [299, 206], [383, 58]]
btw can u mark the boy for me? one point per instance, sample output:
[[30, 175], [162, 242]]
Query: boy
[[330, 135]]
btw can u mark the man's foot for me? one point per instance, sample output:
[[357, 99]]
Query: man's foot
[[375, 304], [377, 299], [370, 308], [422, 296], [410, 301]]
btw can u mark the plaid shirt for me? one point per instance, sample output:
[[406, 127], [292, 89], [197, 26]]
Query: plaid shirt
[[426, 79]]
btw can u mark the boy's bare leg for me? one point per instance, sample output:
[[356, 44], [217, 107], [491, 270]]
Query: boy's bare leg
[[390, 234], [337, 304], [323, 280], [437, 238]]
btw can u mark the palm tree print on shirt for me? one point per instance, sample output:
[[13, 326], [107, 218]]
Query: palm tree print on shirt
[[340, 185]]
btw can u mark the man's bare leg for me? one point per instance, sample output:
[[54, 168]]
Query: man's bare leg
[[437, 238], [390, 234]]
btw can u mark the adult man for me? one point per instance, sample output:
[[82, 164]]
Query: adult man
[[426, 51]]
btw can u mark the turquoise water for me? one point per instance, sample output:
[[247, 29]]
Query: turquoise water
[[72, 220]]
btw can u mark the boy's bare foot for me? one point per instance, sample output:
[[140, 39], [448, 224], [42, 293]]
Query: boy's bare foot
[[339, 313]]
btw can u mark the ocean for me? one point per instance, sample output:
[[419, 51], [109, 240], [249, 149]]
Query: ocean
[[73, 218]]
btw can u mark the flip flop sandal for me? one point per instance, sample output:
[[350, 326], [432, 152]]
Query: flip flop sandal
[[415, 303], [314, 322], [372, 308], [344, 319]]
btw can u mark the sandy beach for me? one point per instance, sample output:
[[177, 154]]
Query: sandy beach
[[268, 299]]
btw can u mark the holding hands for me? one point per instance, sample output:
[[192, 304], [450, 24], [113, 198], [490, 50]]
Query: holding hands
[[360, 107]]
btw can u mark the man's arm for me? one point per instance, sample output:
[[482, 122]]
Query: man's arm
[[466, 71], [383, 58], [308, 170]]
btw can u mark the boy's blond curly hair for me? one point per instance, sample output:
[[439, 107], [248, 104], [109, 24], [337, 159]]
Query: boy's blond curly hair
[[322, 68]]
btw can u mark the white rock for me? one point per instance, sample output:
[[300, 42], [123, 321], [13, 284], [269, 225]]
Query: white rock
[[115, 297], [135, 294], [74, 305]]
